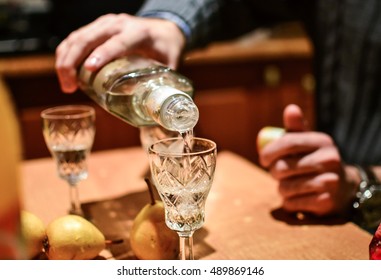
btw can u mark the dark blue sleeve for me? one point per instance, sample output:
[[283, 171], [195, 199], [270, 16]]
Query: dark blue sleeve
[[199, 20]]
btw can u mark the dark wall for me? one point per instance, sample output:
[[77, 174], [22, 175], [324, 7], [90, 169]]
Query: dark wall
[[69, 15], [30, 28]]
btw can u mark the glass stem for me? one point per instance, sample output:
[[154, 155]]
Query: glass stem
[[74, 201], [186, 245]]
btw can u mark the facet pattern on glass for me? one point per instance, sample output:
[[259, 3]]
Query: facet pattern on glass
[[71, 163], [183, 183], [70, 141]]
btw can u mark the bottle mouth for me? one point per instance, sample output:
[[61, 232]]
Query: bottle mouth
[[179, 114]]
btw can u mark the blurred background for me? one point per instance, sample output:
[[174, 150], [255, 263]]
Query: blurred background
[[240, 85], [28, 26]]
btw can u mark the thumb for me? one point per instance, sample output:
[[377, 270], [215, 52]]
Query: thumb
[[293, 118]]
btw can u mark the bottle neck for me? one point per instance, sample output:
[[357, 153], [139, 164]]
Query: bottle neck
[[172, 109]]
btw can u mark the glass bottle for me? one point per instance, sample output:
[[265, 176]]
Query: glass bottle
[[142, 92]]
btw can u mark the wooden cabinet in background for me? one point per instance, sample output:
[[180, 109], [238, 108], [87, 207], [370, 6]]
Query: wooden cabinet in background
[[239, 89]]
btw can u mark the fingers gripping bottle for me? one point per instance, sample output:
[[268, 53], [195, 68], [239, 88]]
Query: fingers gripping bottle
[[143, 93]]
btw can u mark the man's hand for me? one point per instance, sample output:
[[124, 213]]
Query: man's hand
[[112, 36], [308, 166]]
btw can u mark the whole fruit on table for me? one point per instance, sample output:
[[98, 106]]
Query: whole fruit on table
[[72, 237], [150, 238], [33, 233]]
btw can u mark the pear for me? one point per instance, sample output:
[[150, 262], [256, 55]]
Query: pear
[[33, 233], [150, 238], [72, 237], [268, 134]]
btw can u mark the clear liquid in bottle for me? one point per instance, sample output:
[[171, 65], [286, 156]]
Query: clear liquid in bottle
[[142, 92]]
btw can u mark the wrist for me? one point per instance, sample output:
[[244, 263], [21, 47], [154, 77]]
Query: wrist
[[353, 180], [180, 23], [367, 203], [353, 176]]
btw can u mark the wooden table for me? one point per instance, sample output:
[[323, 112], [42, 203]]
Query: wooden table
[[243, 215]]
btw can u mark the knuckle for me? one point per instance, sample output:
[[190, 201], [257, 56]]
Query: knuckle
[[106, 17], [59, 50], [326, 140], [74, 36]]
